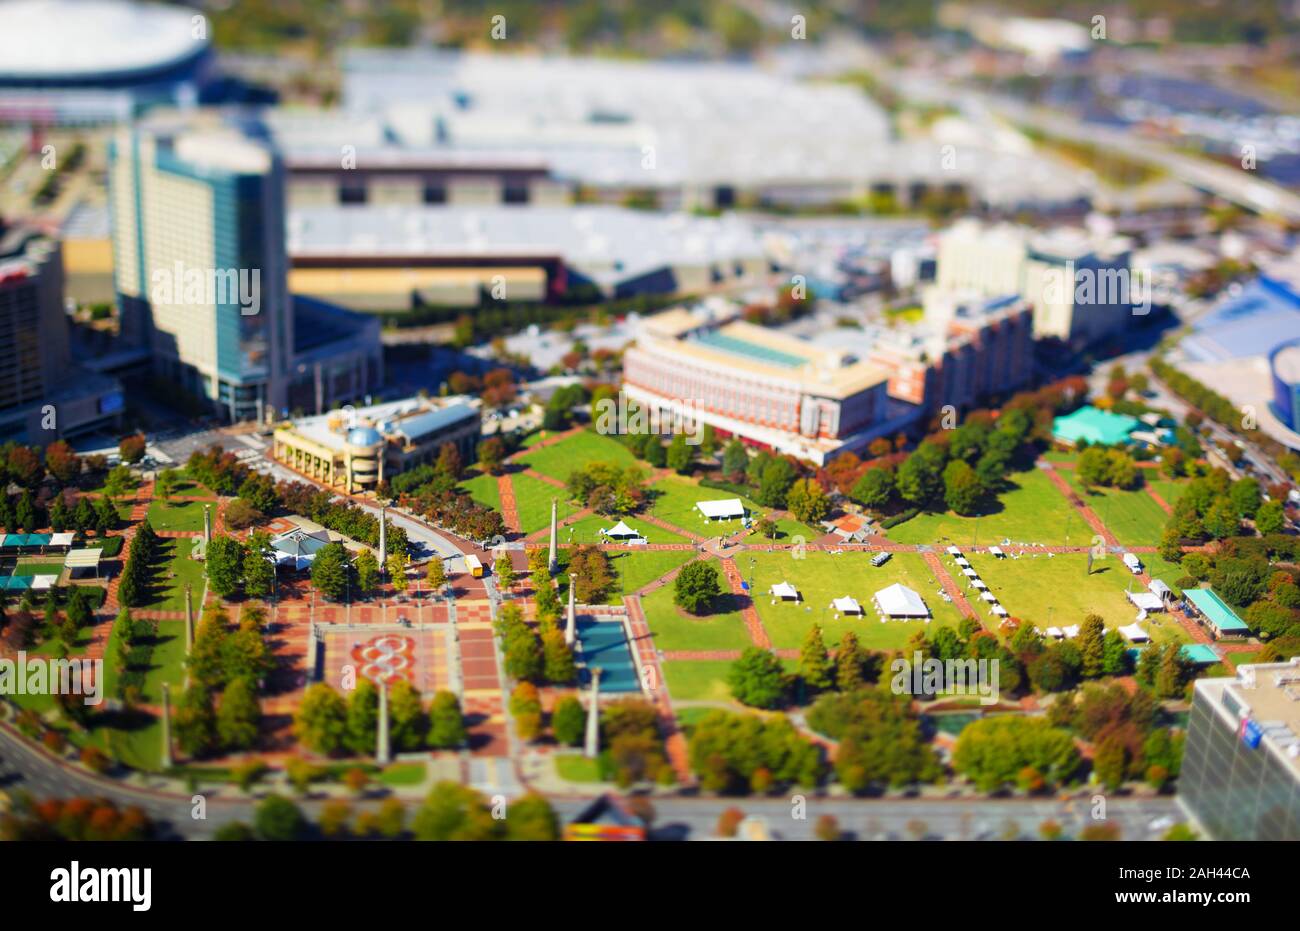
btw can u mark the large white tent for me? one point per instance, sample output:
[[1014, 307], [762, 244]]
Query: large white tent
[[1146, 601], [900, 601], [954, 551], [847, 605], [1134, 633], [784, 590], [620, 531], [723, 509]]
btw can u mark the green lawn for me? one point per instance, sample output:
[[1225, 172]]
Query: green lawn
[[638, 569], [576, 452], [821, 577], [574, 767], [1032, 511], [674, 630], [1168, 489], [166, 662], [673, 499], [1133, 516], [1028, 587], [483, 489], [27, 566], [172, 570], [176, 515], [588, 530], [533, 502], [403, 774], [698, 680]]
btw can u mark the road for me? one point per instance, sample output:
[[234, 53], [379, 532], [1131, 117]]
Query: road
[[23, 767]]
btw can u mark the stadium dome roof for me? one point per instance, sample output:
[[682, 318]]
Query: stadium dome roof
[[364, 436], [51, 40]]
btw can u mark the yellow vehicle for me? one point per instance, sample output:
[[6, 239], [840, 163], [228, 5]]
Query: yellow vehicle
[[475, 566]]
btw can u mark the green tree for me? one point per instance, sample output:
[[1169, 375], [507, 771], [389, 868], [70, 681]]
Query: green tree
[[436, 574], [734, 458], [569, 721], [238, 716], [808, 501], [195, 722], [278, 819], [875, 489], [446, 722], [407, 723], [361, 726], [558, 666], [681, 454], [850, 663], [991, 752], [367, 572], [321, 724], [504, 570], [1091, 646], [758, 679], [696, 587], [1270, 518], [532, 818], [454, 812], [962, 491], [224, 561], [396, 566], [329, 571], [259, 567], [815, 668], [1245, 496]]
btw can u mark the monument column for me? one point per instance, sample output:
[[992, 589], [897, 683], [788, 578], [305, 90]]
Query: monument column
[[166, 726], [382, 755], [571, 624], [592, 745], [553, 561]]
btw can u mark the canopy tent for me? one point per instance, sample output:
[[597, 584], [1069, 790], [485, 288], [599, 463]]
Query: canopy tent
[[978, 583], [1071, 631], [83, 559], [970, 573], [1161, 589], [988, 596], [724, 509], [784, 590], [900, 601], [1134, 633], [620, 531], [963, 562], [999, 610], [298, 548], [62, 539], [43, 583], [1054, 632], [997, 551], [1146, 601], [954, 551], [847, 605]]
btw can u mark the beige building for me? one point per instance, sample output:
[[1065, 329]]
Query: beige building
[[357, 449]]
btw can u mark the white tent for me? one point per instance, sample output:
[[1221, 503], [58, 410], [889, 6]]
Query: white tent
[[997, 551], [1071, 631], [784, 590], [999, 610], [978, 583], [1054, 632], [43, 582], [954, 551], [62, 539], [620, 531], [970, 573], [847, 605], [900, 601], [988, 596], [963, 562], [724, 509], [1134, 633], [1146, 601]]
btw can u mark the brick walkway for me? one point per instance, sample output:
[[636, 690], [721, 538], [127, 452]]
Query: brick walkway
[[753, 623], [544, 535], [672, 528], [1155, 496], [648, 662], [949, 585], [509, 512], [1086, 512], [543, 477]]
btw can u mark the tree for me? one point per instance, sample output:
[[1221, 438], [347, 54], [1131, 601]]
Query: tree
[[407, 724], [827, 828], [808, 501], [1091, 468], [1270, 518], [775, 480], [874, 489], [196, 722], [558, 666], [734, 458], [1221, 519], [446, 722], [361, 724], [276, 818], [1109, 762], [569, 721], [992, 751], [680, 454], [396, 566], [918, 480], [504, 570], [491, 455], [131, 448], [815, 667], [436, 574], [758, 679], [259, 567], [850, 663], [322, 718], [1245, 496], [329, 571], [62, 461], [962, 491], [1091, 646], [238, 716], [532, 818], [367, 572], [224, 561], [696, 586], [207, 658], [526, 709], [454, 812]]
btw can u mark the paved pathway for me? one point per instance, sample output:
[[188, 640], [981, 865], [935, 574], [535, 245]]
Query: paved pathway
[[1086, 512], [753, 623], [949, 584], [509, 511]]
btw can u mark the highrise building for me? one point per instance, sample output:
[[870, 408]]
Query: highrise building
[[200, 273], [41, 396]]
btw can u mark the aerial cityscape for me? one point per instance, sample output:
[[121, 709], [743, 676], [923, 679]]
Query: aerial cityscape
[[730, 421]]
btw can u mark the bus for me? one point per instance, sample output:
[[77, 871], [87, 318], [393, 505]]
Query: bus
[[475, 566]]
